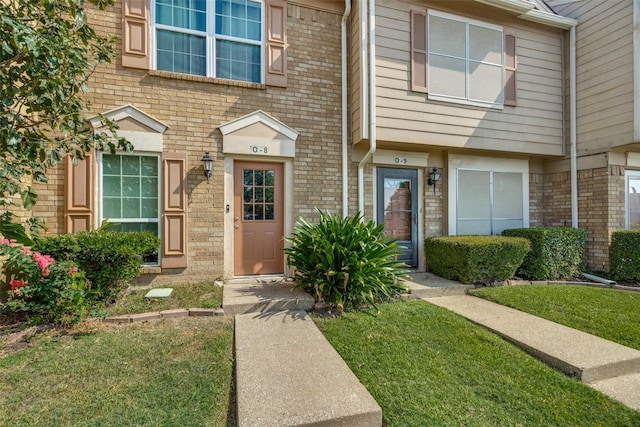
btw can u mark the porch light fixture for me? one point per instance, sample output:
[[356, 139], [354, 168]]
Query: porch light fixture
[[434, 177], [207, 165]]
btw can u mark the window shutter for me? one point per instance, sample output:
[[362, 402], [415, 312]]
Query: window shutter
[[135, 34], [276, 24], [79, 193], [510, 65], [174, 210], [419, 51]]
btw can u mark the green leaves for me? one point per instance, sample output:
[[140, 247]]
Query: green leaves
[[47, 53], [345, 262]]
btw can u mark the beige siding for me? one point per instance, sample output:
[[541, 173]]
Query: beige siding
[[534, 126], [354, 73], [604, 42]]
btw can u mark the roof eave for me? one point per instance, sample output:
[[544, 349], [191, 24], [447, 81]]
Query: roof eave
[[549, 19]]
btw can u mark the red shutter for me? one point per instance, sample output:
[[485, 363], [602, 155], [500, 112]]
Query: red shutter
[[510, 65], [79, 193], [135, 34], [276, 43], [174, 210], [419, 51]]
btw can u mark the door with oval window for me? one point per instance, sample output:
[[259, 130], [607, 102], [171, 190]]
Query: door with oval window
[[258, 218]]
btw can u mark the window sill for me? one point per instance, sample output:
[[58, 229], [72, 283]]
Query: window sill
[[203, 79], [444, 98], [150, 269]]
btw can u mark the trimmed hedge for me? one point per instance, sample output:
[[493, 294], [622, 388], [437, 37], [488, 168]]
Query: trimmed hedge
[[556, 252], [624, 255], [110, 259], [471, 259]]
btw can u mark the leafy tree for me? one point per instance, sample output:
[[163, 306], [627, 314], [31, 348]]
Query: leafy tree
[[47, 53]]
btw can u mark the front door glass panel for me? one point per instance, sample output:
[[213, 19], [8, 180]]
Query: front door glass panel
[[397, 208], [258, 195]]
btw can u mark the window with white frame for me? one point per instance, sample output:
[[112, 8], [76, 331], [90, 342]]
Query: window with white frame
[[465, 60], [488, 201], [215, 38], [130, 191], [632, 199]]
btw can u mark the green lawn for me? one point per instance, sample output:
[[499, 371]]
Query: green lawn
[[608, 313], [165, 373], [427, 366], [192, 295]]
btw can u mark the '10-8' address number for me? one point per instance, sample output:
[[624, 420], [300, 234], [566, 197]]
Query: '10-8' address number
[[258, 149]]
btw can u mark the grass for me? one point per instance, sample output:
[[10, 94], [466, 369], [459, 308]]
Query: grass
[[608, 313], [200, 295], [427, 366], [162, 373]]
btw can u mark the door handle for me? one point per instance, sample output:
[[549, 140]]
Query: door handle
[[236, 226], [235, 218]]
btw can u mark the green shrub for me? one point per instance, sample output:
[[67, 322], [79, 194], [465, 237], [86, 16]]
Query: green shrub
[[556, 252], [110, 259], [624, 255], [48, 290], [471, 259], [345, 262]]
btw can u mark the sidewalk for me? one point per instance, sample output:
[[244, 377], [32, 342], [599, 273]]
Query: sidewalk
[[606, 366], [287, 373]]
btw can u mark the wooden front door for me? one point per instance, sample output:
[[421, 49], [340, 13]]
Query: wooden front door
[[258, 218]]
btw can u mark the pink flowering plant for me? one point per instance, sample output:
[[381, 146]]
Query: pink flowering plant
[[46, 289]]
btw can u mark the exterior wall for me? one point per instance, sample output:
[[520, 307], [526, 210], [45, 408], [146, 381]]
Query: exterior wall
[[604, 74], [193, 107], [534, 126], [356, 61], [601, 207], [536, 199]]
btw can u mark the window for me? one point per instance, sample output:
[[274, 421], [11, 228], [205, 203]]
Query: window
[[465, 60], [487, 194], [633, 199], [221, 38], [489, 202], [130, 189], [461, 60]]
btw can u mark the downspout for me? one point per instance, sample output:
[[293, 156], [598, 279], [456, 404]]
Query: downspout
[[345, 139], [572, 126], [372, 104]]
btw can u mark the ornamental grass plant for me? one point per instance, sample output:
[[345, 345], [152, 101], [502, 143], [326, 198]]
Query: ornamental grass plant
[[345, 262]]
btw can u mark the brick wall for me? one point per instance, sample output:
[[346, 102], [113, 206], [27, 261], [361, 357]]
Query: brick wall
[[536, 199], [193, 107], [601, 208]]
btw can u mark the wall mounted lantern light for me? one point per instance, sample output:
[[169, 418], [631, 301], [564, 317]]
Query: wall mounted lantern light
[[434, 177], [207, 165]]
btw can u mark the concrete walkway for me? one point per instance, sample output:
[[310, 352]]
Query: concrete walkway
[[287, 373], [606, 366]]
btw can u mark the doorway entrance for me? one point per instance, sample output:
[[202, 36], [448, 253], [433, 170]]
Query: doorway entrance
[[258, 221], [397, 208]]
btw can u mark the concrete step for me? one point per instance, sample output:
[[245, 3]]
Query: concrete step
[[576, 353], [625, 389], [287, 374], [260, 295], [419, 291]]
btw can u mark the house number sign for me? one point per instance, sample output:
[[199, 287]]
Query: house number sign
[[400, 158], [258, 149]]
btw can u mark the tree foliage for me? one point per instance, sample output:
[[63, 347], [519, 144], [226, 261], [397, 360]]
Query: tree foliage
[[47, 53]]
